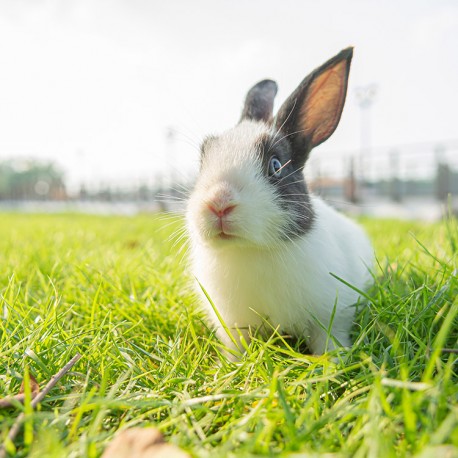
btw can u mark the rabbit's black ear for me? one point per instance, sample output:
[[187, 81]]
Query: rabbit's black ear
[[312, 112], [259, 101]]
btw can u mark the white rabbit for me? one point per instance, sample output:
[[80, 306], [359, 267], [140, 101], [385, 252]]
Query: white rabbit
[[262, 246]]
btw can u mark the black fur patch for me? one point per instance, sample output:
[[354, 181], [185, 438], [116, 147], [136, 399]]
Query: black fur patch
[[290, 186]]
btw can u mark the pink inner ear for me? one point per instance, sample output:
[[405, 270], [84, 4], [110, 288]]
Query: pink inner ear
[[323, 104]]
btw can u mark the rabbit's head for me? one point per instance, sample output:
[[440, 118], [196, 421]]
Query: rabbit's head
[[251, 188]]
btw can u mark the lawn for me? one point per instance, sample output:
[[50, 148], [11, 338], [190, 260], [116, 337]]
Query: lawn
[[116, 290]]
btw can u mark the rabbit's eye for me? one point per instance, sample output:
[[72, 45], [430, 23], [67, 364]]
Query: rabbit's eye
[[274, 167]]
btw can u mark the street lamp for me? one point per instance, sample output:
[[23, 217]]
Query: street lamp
[[365, 96], [170, 136]]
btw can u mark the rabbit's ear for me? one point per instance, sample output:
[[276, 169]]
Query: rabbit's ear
[[312, 112], [259, 101]]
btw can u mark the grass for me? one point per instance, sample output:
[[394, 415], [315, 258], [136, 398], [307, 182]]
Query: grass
[[116, 290]]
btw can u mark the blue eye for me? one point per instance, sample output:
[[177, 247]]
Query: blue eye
[[274, 167]]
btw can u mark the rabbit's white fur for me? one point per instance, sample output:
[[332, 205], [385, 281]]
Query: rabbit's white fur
[[260, 275]]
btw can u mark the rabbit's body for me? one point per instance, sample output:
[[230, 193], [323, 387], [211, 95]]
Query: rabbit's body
[[251, 284], [262, 246]]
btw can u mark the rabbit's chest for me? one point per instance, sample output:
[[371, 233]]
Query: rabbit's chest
[[250, 288]]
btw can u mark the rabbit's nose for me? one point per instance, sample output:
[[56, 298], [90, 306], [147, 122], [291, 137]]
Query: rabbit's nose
[[222, 201], [220, 209]]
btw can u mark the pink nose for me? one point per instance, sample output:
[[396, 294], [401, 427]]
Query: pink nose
[[220, 210]]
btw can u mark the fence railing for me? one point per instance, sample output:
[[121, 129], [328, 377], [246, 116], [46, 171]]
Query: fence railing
[[396, 173]]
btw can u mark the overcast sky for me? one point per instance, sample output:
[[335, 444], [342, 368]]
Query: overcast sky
[[95, 84]]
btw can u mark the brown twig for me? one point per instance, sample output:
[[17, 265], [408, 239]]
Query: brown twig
[[50, 385], [450, 350], [11, 401]]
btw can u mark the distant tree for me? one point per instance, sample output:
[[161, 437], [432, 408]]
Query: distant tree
[[31, 180]]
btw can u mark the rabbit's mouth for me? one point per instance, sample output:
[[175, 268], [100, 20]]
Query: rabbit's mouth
[[220, 238], [222, 224], [225, 236]]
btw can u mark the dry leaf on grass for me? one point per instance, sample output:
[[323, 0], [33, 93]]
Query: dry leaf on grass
[[10, 401], [142, 443]]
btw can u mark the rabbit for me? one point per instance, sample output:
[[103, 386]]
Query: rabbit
[[263, 248]]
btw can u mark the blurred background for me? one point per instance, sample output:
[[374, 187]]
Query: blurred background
[[103, 103]]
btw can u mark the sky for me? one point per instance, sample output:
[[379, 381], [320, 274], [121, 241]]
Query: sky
[[95, 85]]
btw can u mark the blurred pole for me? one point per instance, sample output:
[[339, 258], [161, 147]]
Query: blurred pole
[[365, 96], [442, 175], [395, 182], [170, 172], [84, 186], [350, 189]]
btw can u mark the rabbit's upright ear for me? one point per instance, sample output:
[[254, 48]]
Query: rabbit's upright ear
[[259, 101], [312, 112]]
